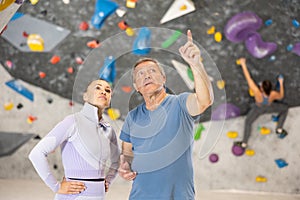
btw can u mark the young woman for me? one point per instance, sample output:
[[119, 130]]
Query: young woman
[[87, 142], [264, 96]]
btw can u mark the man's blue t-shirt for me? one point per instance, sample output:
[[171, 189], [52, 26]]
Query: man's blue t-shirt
[[162, 145]]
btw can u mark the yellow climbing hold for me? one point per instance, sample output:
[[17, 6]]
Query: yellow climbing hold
[[113, 113], [35, 42], [250, 152], [232, 134], [218, 37], [129, 31], [211, 30], [261, 179], [221, 84], [33, 2], [265, 131], [183, 7], [5, 3], [8, 106], [238, 62], [251, 93]]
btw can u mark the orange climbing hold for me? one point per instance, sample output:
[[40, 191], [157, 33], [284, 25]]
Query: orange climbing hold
[[93, 44], [70, 70], [55, 59], [126, 89], [42, 74], [31, 119], [84, 26], [123, 25]]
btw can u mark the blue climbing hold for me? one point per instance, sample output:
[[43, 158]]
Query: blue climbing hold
[[142, 42]]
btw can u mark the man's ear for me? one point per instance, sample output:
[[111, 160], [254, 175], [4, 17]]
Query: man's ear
[[134, 85], [85, 97]]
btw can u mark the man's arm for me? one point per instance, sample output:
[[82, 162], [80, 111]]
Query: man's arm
[[125, 162], [203, 97]]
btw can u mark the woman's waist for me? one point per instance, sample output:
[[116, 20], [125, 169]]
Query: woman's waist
[[84, 173]]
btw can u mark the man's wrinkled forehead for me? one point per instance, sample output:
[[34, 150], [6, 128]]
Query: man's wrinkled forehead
[[146, 63]]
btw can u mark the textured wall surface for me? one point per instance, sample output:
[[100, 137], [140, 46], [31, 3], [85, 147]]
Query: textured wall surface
[[229, 173], [148, 13]]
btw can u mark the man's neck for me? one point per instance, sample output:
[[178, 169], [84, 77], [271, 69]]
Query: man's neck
[[155, 99]]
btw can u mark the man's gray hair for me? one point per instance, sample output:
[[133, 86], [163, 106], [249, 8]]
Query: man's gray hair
[[161, 69]]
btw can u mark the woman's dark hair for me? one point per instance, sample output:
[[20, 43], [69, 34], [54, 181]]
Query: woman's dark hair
[[267, 86]]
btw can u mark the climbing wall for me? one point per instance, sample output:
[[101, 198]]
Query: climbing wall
[[268, 165]]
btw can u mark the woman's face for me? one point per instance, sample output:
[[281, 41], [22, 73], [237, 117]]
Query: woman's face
[[98, 94]]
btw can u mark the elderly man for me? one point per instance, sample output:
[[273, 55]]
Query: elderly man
[[158, 134]]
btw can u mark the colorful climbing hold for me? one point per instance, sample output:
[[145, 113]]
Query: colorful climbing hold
[[5, 4], [221, 84], [268, 22], [237, 150], [123, 25], [213, 158], [17, 86], [54, 60], [264, 130], [198, 131], [42, 74], [232, 134], [84, 26], [251, 93], [190, 74], [35, 42], [70, 70], [142, 43], [281, 163], [8, 106], [33, 2], [289, 47], [108, 70], [218, 36], [93, 44], [31, 119], [9, 64], [103, 9], [250, 152], [131, 3], [167, 43], [211, 30], [126, 89], [129, 31], [261, 179], [113, 113], [295, 23], [183, 7]]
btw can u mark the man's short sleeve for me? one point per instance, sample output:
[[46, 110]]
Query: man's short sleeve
[[125, 131], [183, 99]]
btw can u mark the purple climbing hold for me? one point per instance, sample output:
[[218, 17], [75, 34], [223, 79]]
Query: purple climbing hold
[[257, 47], [296, 49], [213, 158], [225, 111], [241, 25], [237, 150]]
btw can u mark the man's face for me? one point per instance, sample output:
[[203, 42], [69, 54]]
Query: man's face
[[98, 94], [148, 78]]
